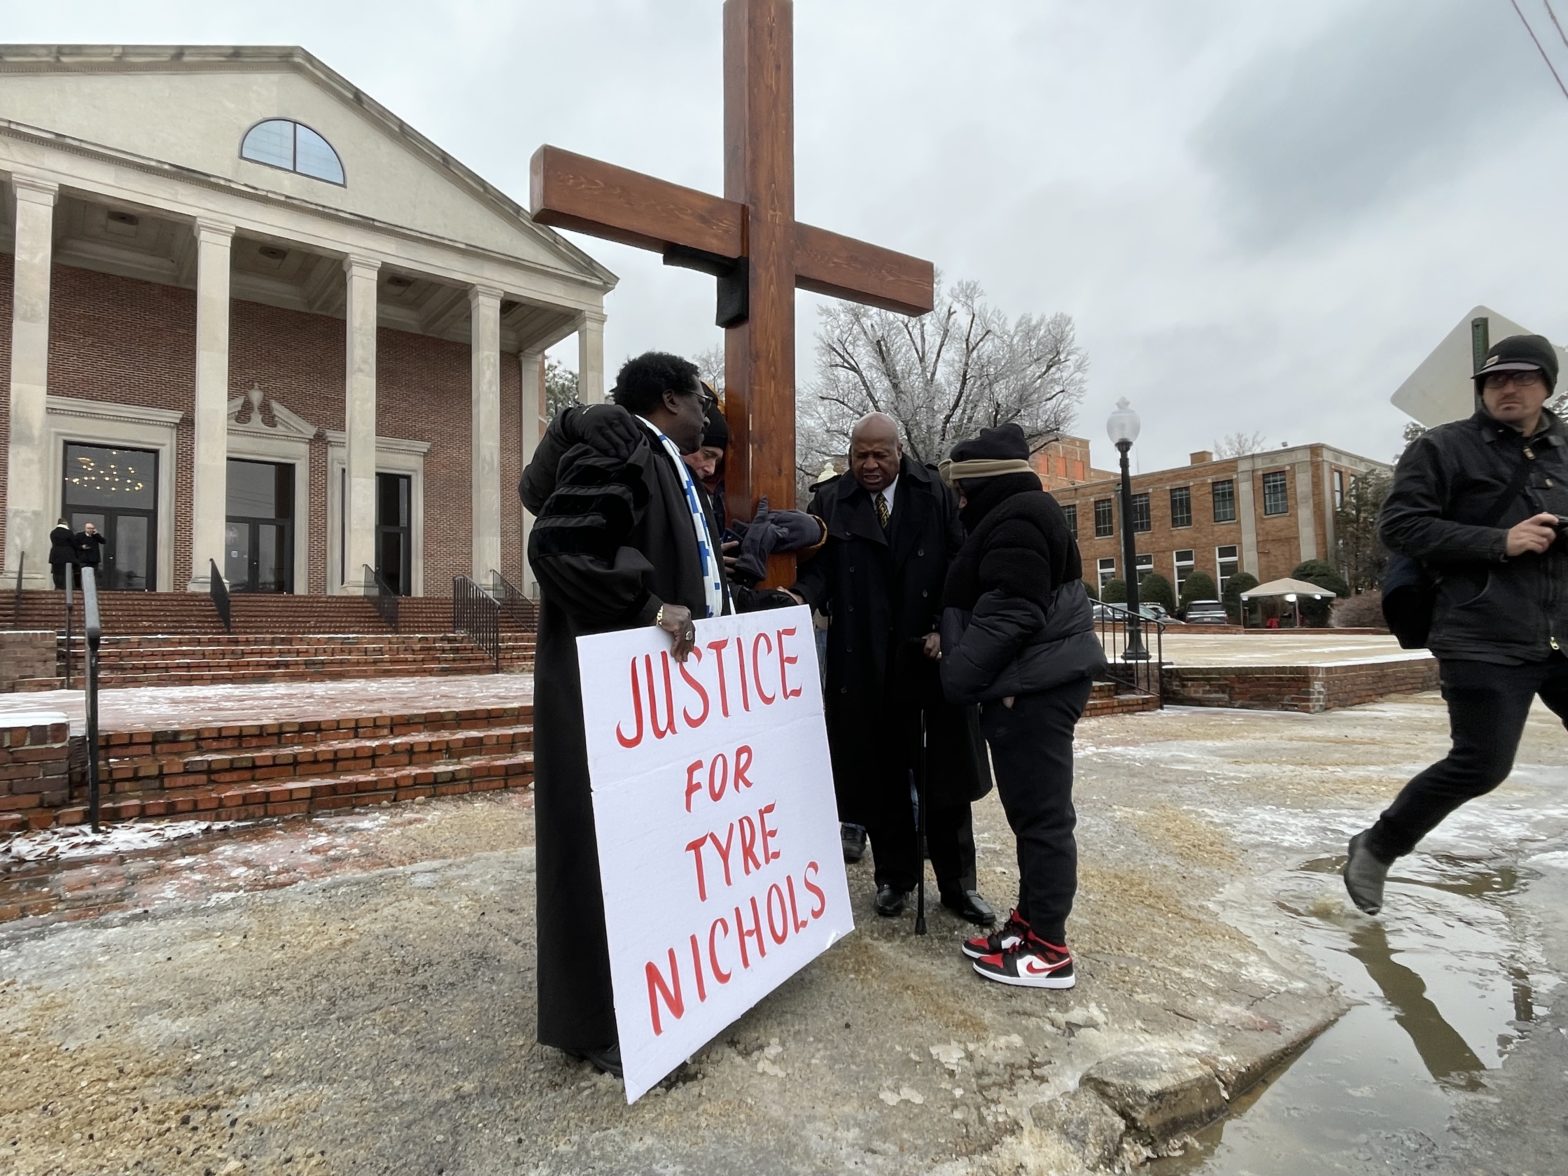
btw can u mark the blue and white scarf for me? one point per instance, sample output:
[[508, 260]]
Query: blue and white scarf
[[712, 569]]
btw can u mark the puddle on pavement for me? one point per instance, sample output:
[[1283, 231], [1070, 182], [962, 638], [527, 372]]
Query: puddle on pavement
[[1445, 997]]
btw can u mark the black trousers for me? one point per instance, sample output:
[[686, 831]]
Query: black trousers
[[895, 857], [1487, 709], [1032, 756]]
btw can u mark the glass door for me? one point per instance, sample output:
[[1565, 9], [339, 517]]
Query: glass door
[[258, 552], [116, 490]]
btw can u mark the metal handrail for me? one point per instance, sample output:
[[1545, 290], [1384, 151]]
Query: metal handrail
[[94, 635], [510, 598], [476, 614], [385, 598], [1129, 662], [70, 577], [218, 587]]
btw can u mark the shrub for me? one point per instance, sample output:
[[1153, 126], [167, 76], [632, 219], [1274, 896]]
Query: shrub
[[1089, 587], [1234, 587], [1156, 589], [1361, 611], [1115, 592], [1325, 575], [1199, 586]]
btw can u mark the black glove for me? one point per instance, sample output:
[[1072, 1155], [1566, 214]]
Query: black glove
[[756, 544], [607, 429], [794, 530]]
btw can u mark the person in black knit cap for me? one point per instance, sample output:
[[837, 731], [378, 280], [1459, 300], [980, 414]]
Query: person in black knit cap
[[1018, 638]]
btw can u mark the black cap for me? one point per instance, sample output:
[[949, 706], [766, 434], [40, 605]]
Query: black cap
[[1002, 442], [715, 429], [1520, 353]]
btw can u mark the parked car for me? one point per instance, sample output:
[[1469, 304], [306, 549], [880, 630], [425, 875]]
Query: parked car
[[1207, 612]]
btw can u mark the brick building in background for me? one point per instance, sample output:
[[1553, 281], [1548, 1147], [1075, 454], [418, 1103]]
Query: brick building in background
[[248, 316], [1263, 513]]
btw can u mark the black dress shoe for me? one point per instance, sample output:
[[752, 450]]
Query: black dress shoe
[[853, 838], [967, 904], [890, 900], [606, 1060]]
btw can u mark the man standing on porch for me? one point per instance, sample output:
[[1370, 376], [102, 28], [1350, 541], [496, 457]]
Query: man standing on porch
[[616, 542]]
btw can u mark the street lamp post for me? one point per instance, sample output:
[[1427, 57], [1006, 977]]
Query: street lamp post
[[1122, 427]]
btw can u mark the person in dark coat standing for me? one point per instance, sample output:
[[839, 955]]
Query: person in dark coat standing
[[1018, 638], [616, 542], [89, 543], [891, 527], [62, 553]]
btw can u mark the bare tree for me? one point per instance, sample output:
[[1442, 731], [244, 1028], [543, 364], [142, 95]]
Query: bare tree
[[710, 366], [1239, 444], [560, 387], [942, 376]]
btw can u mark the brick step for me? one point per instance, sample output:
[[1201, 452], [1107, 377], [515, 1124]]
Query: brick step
[[117, 656], [301, 797], [155, 643], [325, 758], [218, 676]]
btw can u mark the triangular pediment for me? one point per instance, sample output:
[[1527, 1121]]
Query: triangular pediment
[[257, 414], [189, 109]]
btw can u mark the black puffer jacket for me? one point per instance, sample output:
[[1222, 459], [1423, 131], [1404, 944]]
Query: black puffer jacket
[[1488, 608], [1017, 618]]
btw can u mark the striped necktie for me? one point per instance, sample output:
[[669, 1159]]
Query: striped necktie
[[883, 514]]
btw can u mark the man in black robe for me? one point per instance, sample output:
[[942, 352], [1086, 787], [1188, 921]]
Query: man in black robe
[[879, 579], [616, 542]]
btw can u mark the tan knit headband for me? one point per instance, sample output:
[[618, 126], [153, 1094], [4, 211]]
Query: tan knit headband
[[982, 467]]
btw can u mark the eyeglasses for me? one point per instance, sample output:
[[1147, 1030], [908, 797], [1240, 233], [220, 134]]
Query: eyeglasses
[[708, 399], [1527, 379]]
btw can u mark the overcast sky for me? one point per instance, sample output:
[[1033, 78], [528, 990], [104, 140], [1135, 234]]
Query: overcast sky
[[1262, 216]]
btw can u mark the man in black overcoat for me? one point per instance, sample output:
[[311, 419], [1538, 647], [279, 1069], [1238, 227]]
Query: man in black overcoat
[[879, 579], [617, 541]]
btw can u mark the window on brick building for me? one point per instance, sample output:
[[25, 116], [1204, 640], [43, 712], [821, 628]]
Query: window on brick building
[[1227, 562], [1184, 565], [1144, 565], [1104, 521], [1181, 506], [292, 146], [1072, 519], [1140, 513], [1107, 571], [1224, 501], [1276, 498], [1339, 489]]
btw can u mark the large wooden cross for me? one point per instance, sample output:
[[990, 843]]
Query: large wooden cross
[[749, 238]]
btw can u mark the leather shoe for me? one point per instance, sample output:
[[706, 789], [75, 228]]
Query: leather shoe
[[853, 838], [890, 900], [607, 1060], [967, 904]]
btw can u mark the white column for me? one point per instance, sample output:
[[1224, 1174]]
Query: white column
[[1246, 511], [484, 450], [359, 504], [28, 497], [590, 358], [209, 473], [534, 421]]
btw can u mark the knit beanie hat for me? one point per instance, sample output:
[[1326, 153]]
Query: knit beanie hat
[[715, 429], [1520, 353]]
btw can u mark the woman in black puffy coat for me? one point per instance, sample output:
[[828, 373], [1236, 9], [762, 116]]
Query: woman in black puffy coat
[[1018, 638]]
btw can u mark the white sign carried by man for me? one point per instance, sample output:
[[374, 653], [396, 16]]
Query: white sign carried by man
[[718, 833]]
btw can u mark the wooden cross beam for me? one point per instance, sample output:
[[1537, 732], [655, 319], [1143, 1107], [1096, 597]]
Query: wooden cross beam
[[749, 237]]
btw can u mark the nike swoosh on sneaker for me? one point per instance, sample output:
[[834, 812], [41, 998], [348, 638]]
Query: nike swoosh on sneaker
[[1038, 967]]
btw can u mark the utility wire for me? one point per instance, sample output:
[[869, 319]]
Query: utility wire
[[1549, 12], [1538, 47]]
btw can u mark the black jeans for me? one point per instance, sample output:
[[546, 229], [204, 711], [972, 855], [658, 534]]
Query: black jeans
[[1487, 709], [1032, 755]]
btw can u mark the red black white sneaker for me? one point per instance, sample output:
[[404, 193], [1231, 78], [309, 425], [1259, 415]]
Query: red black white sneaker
[[1006, 937], [1034, 963]]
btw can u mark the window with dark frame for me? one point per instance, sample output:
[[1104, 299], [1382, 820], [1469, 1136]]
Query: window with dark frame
[[1276, 497], [1226, 563], [1184, 565], [1339, 489], [1071, 511], [1140, 513], [1224, 501], [1107, 571], [1104, 518], [1181, 506]]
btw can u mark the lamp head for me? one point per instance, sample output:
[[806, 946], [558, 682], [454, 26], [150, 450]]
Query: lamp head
[[1123, 424]]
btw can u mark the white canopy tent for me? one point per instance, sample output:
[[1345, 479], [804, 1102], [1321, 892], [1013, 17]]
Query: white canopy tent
[[1293, 591]]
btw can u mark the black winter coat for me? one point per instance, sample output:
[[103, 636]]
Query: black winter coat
[[1018, 619], [62, 546], [1488, 608], [89, 548], [882, 592]]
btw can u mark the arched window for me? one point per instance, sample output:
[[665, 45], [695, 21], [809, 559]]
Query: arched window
[[292, 146]]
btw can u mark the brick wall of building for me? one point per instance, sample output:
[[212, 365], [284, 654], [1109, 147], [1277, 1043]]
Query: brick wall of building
[[132, 342]]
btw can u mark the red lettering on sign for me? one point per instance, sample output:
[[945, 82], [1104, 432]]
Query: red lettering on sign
[[670, 990], [718, 660], [695, 849], [768, 854], [697, 687], [816, 891], [756, 668], [784, 663], [620, 735]]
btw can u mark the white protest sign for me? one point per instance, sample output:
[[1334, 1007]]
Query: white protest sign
[[718, 831]]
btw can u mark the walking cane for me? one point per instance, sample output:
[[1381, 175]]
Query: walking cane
[[920, 831]]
